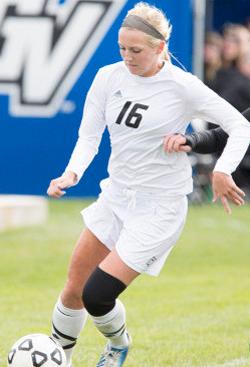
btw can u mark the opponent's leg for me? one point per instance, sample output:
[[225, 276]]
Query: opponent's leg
[[108, 313], [69, 315]]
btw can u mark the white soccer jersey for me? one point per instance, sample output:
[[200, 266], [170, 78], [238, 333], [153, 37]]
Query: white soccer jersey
[[139, 112]]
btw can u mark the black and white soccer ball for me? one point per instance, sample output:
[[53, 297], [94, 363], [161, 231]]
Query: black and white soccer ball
[[36, 350]]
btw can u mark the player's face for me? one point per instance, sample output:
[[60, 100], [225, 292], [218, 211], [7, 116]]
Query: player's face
[[139, 57]]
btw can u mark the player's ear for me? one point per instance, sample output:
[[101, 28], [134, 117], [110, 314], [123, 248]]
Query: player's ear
[[161, 47]]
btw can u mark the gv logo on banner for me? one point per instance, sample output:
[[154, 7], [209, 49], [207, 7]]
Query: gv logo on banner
[[44, 48]]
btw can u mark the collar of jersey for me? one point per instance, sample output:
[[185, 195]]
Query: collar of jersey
[[150, 79]]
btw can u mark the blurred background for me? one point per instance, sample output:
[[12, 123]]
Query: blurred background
[[50, 51]]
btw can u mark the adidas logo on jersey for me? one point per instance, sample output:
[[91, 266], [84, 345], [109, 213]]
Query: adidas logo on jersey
[[118, 94]]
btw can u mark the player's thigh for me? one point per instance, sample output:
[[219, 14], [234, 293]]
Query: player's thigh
[[88, 253], [115, 266]]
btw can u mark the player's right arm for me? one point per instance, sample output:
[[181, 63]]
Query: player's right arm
[[90, 134], [58, 185]]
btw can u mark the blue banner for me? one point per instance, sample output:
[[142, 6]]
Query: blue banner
[[50, 51]]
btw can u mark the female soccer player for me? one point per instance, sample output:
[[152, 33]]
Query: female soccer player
[[141, 210]]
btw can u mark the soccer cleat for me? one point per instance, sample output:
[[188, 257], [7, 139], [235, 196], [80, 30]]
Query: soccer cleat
[[113, 357]]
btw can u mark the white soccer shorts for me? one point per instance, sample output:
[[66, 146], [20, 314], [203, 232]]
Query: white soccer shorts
[[143, 227]]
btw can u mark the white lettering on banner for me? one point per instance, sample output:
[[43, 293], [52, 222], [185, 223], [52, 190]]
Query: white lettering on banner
[[44, 48]]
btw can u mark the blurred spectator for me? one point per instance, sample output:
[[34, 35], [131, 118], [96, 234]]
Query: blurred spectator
[[227, 72], [236, 43], [212, 56], [234, 86], [243, 64], [232, 79], [247, 23]]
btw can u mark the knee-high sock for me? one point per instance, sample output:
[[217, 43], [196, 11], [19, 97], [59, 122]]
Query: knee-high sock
[[66, 327], [112, 325]]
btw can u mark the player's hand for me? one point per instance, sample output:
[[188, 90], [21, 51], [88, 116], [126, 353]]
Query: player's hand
[[57, 186], [176, 143], [224, 188]]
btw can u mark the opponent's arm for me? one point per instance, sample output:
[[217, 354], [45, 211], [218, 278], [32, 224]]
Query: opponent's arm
[[203, 142], [210, 141]]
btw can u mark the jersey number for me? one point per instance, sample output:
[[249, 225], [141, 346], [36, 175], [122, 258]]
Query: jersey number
[[133, 118]]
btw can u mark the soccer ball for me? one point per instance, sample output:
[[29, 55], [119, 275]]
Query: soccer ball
[[36, 350]]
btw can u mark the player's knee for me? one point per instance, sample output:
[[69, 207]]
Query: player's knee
[[100, 292], [94, 302]]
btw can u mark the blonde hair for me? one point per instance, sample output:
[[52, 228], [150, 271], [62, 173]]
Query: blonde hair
[[157, 19]]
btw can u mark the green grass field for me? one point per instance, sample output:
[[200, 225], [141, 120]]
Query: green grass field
[[195, 314]]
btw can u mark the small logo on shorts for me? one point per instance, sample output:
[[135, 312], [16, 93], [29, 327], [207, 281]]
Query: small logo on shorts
[[150, 261]]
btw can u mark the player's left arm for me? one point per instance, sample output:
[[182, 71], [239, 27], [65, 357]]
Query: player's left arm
[[207, 105], [202, 142]]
